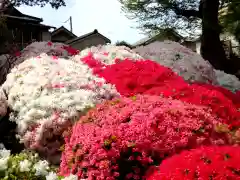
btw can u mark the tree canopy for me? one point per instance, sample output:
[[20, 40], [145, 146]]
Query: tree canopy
[[230, 19], [184, 16], [155, 15], [54, 3]]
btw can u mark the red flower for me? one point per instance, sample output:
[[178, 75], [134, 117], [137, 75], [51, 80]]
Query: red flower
[[71, 50], [216, 163], [49, 43], [148, 77], [18, 53], [123, 137]]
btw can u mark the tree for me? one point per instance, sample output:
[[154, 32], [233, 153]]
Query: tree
[[54, 3], [230, 19], [187, 15], [123, 43]]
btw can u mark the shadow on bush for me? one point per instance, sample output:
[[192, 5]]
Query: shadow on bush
[[8, 134]]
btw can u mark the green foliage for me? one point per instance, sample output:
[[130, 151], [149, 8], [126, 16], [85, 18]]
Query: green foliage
[[13, 171], [161, 14], [53, 3], [230, 19]]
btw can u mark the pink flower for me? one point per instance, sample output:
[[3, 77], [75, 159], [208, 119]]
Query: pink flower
[[128, 135]]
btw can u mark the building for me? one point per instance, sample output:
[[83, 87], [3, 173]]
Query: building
[[168, 34], [171, 35], [93, 38], [229, 42], [21, 29], [62, 35]]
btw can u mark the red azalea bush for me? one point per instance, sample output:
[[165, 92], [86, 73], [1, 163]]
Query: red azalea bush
[[121, 138], [148, 77], [233, 96], [205, 163]]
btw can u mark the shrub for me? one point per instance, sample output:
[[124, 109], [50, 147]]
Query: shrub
[[108, 54], [229, 94], [121, 138], [203, 163], [28, 166], [188, 64], [228, 81], [148, 77], [47, 94], [36, 48]]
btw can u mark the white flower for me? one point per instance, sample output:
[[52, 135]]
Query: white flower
[[25, 165], [113, 52], [52, 176], [41, 168], [3, 163], [47, 93], [71, 177], [4, 153]]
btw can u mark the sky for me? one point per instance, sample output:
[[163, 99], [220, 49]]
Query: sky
[[87, 15]]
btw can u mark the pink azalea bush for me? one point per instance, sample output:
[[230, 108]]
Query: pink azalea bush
[[46, 94], [123, 137], [216, 163], [36, 48]]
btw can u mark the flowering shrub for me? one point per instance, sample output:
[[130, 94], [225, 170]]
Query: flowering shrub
[[123, 137], [202, 163], [47, 94], [191, 66], [37, 48], [134, 77], [148, 77], [108, 54], [27, 165], [228, 81], [229, 94]]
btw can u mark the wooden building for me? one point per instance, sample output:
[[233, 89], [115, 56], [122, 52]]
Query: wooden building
[[21, 29]]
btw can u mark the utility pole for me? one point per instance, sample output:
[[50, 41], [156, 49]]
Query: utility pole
[[70, 20], [71, 23]]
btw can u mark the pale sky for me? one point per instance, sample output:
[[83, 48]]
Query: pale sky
[[87, 15]]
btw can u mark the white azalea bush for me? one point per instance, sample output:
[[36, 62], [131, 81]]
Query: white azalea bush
[[228, 81], [188, 64], [107, 54], [47, 94], [27, 166]]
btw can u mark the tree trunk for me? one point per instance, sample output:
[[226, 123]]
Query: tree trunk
[[211, 46]]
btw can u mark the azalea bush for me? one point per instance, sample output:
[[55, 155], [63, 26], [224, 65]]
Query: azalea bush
[[202, 163], [36, 48], [46, 94], [122, 138], [27, 165], [148, 77], [111, 112], [108, 54], [188, 64], [228, 81]]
